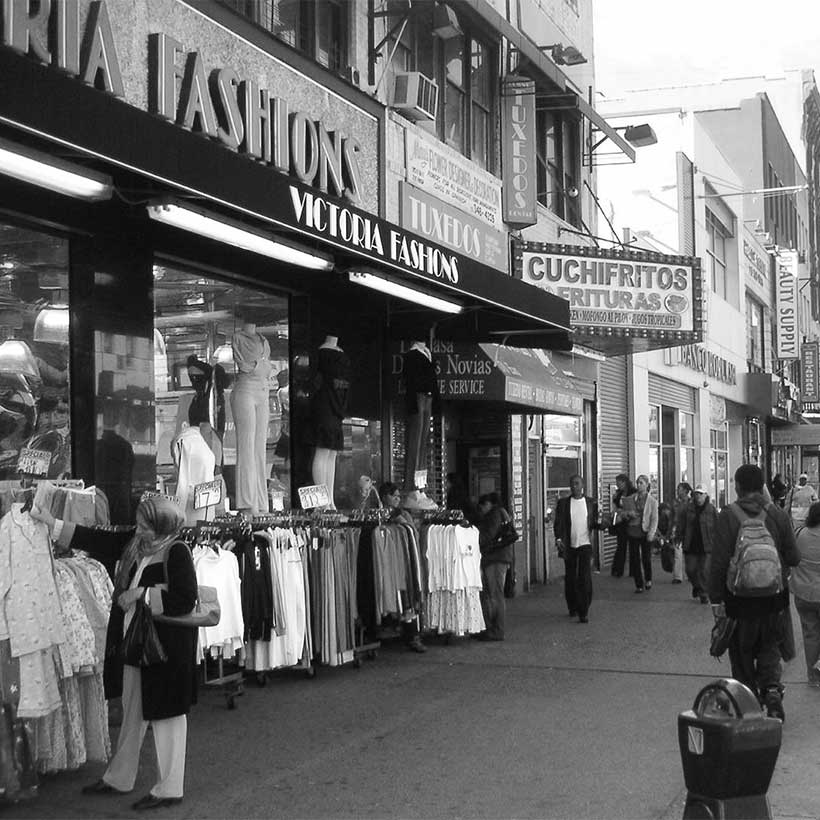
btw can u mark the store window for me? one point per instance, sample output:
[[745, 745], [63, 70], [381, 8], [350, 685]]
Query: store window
[[221, 381], [755, 335], [557, 142], [35, 398], [564, 449], [719, 465], [317, 27], [655, 446], [671, 449], [687, 447]]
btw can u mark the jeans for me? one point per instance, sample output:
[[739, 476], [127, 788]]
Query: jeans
[[754, 650], [492, 599], [809, 612], [640, 561], [578, 579], [697, 571], [619, 559]]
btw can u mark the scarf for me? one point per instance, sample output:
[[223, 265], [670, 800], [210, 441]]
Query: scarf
[[158, 522]]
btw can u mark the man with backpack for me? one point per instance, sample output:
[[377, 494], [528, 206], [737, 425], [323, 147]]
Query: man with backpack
[[754, 547]]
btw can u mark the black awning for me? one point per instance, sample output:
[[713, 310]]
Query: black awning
[[165, 159]]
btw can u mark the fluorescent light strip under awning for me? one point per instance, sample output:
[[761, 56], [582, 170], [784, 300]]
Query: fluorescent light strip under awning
[[38, 168], [198, 222], [392, 288]]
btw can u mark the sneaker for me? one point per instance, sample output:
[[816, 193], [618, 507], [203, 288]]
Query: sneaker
[[638, 589], [773, 703]]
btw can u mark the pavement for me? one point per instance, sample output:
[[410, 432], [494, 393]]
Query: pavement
[[561, 720]]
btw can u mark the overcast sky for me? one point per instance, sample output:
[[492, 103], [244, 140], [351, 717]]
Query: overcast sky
[[649, 43]]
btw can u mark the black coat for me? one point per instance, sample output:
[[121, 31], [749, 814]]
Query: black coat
[[168, 689], [488, 528], [563, 519]]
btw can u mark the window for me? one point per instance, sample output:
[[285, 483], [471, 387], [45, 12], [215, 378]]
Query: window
[[755, 335], [719, 465], [35, 397], [686, 425], [455, 94], [716, 234], [654, 445], [317, 27], [558, 163], [481, 99], [194, 374]]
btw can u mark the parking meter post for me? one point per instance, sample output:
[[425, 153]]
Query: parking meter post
[[729, 749]]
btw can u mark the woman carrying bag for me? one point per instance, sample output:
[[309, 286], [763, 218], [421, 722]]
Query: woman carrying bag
[[642, 528], [156, 569]]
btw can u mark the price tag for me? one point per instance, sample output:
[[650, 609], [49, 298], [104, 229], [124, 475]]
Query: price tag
[[156, 494], [34, 462], [207, 494], [420, 479], [277, 501], [315, 495]]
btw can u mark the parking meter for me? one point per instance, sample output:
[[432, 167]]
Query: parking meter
[[729, 749]]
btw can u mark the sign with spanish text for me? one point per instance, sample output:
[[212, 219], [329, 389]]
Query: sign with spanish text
[[445, 173], [758, 278], [786, 338], [701, 360], [314, 495], [810, 367], [622, 293], [518, 147], [440, 222]]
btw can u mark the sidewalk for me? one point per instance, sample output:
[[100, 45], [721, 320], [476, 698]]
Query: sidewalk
[[561, 720]]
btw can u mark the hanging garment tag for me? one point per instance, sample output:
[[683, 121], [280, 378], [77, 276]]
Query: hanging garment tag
[[33, 462], [420, 479], [277, 501], [156, 494]]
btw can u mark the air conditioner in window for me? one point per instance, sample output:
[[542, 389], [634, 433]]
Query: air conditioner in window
[[415, 96]]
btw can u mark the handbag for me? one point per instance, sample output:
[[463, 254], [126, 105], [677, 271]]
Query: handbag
[[507, 535], [141, 645], [206, 611], [509, 582], [667, 555], [722, 632]]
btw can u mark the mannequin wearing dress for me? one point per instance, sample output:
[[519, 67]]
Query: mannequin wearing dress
[[421, 399], [329, 407], [251, 411]]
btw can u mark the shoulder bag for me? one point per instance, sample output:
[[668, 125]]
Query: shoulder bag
[[206, 611]]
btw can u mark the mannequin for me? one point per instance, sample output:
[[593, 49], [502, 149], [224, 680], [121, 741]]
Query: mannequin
[[195, 463], [421, 401], [329, 407], [249, 403]]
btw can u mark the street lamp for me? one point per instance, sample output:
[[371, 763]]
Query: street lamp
[[564, 56]]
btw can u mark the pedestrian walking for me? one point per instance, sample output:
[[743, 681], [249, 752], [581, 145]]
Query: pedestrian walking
[[641, 512], [625, 488], [755, 644], [576, 518], [805, 586], [799, 499], [494, 564], [683, 496], [779, 489], [698, 522]]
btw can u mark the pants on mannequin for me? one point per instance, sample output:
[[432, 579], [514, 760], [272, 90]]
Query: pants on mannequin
[[324, 470], [170, 741], [249, 404], [418, 427]]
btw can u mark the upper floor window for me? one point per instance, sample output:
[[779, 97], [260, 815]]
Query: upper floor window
[[317, 27], [716, 241], [464, 67], [755, 335], [557, 142]]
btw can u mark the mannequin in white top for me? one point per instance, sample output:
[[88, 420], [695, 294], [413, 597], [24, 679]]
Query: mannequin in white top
[[251, 411], [329, 407]]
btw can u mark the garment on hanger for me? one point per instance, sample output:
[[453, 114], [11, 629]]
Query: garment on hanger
[[219, 568], [329, 404], [195, 462]]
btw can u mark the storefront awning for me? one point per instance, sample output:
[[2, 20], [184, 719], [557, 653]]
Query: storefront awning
[[159, 159], [513, 376]]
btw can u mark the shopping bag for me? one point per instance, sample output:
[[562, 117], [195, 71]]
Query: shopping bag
[[667, 556], [207, 611], [141, 645], [722, 632]]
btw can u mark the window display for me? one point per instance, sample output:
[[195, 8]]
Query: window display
[[222, 392], [34, 353]]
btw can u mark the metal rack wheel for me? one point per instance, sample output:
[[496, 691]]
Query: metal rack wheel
[[357, 661], [310, 671], [231, 702], [372, 654], [261, 678]]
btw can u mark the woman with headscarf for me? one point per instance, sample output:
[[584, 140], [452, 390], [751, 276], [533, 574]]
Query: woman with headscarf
[[157, 566]]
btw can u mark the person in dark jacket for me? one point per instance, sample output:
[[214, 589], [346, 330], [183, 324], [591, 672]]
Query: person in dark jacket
[[576, 518], [494, 564], [779, 490], [618, 528], [697, 525], [157, 567], [754, 648]]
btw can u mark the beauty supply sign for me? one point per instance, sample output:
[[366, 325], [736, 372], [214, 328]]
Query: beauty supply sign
[[446, 174], [788, 346], [619, 293]]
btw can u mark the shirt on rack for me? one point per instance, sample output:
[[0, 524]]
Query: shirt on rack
[[219, 568]]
